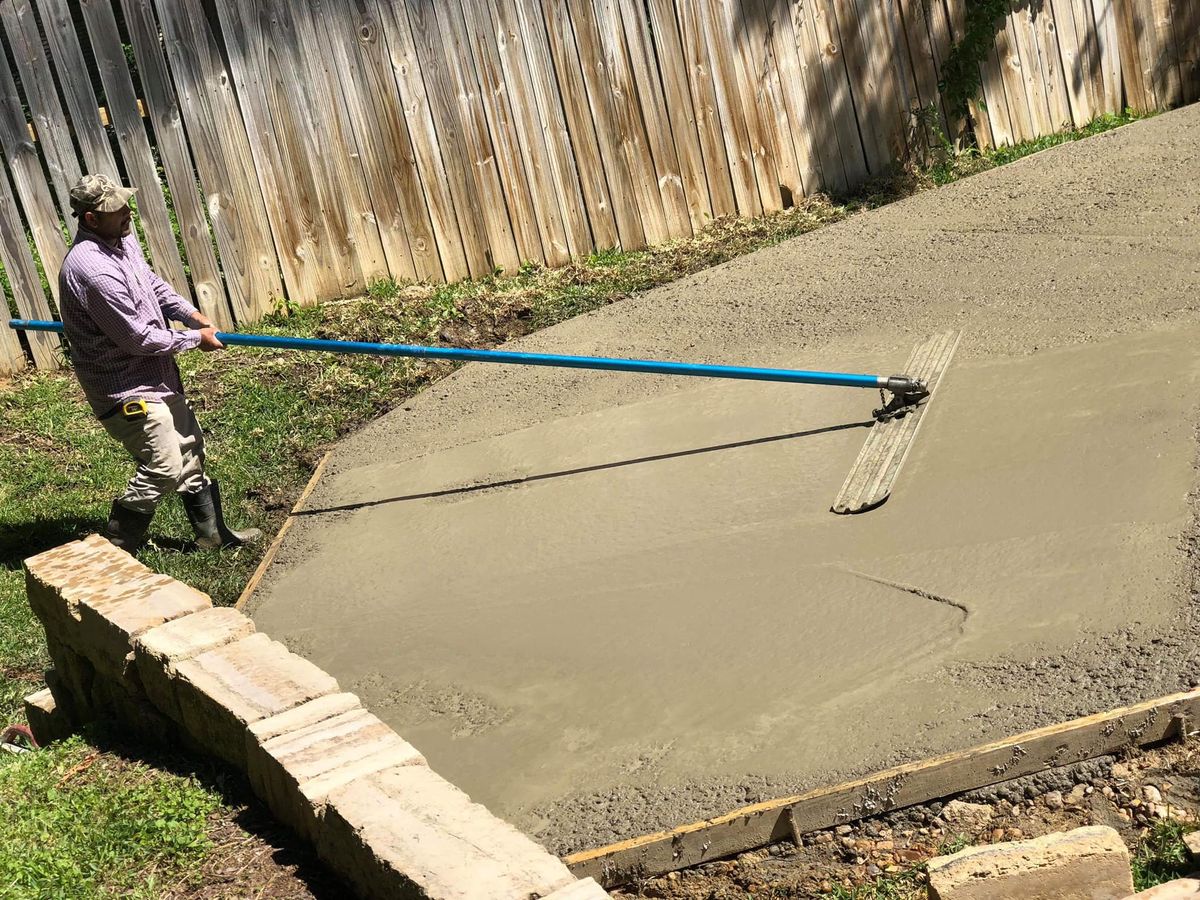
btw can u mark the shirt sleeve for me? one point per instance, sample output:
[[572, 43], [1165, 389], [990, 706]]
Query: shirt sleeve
[[112, 309], [174, 307]]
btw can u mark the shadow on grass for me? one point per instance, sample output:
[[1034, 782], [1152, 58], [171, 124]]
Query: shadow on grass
[[21, 540], [233, 866]]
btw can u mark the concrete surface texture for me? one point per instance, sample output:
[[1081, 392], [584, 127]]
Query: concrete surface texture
[[605, 604]]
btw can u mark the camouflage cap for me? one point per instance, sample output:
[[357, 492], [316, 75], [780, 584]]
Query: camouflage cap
[[98, 193]]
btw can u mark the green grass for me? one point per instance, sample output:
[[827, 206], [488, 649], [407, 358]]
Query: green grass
[[1161, 855], [906, 885], [80, 823], [946, 166], [269, 415]]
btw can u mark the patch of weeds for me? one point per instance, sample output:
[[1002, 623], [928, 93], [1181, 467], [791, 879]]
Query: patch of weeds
[[79, 823], [1161, 855], [943, 165], [906, 885], [1098, 125]]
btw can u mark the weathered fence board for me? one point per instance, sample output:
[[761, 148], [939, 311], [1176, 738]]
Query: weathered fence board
[[278, 100], [1104, 26], [470, 162], [1078, 60], [668, 48], [224, 161], [1185, 21], [613, 223], [176, 157], [334, 144], [838, 90], [385, 145], [557, 230], [705, 108], [682, 211], [313, 148], [121, 102], [440, 152], [31, 188], [67, 57], [523, 211], [525, 26], [49, 120], [809, 101], [740, 148], [23, 277]]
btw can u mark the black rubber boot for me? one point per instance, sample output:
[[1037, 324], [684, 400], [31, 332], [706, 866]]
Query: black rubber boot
[[203, 510], [127, 527]]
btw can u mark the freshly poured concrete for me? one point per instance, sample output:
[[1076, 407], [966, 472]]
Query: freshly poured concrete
[[605, 603]]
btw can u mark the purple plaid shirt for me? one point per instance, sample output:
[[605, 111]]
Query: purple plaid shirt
[[114, 312]]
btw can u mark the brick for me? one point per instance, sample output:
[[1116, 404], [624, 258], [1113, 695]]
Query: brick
[[1180, 889], [218, 693], [74, 676], [111, 699], [110, 620], [157, 650], [1192, 842], [56, 579], [302, 716], [46, 720], [580, 890], [406, 832], [295, 771], [1084, 864]]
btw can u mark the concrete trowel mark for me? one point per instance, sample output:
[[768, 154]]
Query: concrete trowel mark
[[911, 589]]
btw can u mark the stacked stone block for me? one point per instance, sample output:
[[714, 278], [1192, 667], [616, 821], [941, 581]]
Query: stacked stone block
[[156, 655]]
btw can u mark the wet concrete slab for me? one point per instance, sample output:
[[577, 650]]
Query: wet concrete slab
[[603, 604]]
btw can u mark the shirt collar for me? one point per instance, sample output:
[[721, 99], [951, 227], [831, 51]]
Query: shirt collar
[[86, 234]]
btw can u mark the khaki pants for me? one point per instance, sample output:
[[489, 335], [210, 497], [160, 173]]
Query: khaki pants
[[169, 448]]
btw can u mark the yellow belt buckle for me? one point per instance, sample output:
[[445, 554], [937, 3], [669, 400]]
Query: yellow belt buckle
[[134, 409]]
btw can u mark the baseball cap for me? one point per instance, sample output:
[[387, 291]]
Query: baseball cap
[[98, 193]]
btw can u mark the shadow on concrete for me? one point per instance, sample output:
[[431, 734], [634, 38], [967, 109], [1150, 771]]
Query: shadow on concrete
[[582, 470]]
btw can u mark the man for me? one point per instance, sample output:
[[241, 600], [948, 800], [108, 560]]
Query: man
[[115, 312]]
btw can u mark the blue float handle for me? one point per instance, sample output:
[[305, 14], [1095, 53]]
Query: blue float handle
[[839, 379]]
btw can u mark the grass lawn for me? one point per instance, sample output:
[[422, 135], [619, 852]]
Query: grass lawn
[[93, 823]]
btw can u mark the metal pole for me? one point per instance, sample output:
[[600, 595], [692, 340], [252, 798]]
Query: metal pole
[[839, 379]]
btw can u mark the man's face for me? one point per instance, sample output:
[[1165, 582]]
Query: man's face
[[110, 225]]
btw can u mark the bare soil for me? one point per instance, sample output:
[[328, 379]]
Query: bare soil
[[890, 851]]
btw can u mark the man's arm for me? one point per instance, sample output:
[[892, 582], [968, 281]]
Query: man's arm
[[174, 307], [108, 303]]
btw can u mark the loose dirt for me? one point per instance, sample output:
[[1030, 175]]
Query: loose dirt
[[605, 604]]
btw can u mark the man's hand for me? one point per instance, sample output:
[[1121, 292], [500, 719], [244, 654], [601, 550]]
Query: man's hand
[[208, 340]]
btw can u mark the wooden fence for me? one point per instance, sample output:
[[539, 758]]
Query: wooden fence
[[306, 149]]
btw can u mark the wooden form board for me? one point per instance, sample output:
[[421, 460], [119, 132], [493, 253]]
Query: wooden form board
[[788, 818]]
